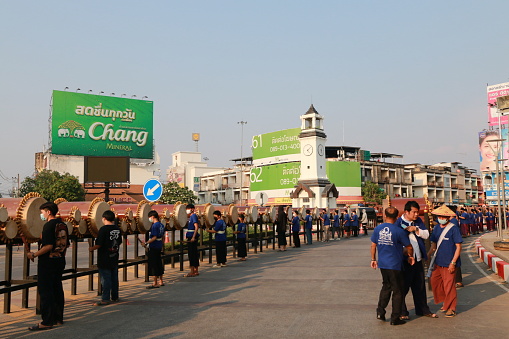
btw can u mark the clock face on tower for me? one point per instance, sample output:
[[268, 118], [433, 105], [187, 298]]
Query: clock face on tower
[[307, 150], [320, 150]]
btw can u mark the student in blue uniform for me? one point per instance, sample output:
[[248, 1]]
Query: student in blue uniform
[[335, 226], [346, 224], [326, 224], [240, 233], [155, 248], [354, 224], [308, 224], [296, 229], [192, 236], [219, 229]]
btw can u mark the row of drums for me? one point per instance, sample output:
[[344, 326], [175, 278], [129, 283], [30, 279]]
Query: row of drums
[[20, 217]]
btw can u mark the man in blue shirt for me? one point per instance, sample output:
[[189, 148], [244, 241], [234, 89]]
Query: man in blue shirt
[[219, 229], [308, 224], [354, 223], [192, 236], [446, 245], [241, 238], [335, 226], [155, 248], [389, 240], [416, 232], [326, 224], [346, 224], [296, 229]]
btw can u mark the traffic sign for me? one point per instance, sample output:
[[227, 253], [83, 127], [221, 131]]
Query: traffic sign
[[152, 190]]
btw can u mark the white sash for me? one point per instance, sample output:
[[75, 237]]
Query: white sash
[[442, 236]]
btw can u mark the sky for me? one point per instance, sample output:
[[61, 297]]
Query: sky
[[402, 77]]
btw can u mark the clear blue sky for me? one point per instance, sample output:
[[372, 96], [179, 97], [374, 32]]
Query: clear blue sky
[[406, 77]]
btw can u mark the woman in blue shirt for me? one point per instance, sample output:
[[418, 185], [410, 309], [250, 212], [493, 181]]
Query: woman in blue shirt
[[308, 223], [219, 229], [241, 238], [155, 248]]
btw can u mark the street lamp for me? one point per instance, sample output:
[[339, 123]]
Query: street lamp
[[497, 170], [242, 123]]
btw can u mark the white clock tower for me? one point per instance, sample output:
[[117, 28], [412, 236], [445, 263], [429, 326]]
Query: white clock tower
[[313, 188]]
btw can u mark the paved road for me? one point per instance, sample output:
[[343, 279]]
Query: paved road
[[318, 291]]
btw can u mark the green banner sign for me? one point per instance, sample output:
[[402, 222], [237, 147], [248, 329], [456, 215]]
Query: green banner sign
[[273, 177], [276, 144], [94, 125]]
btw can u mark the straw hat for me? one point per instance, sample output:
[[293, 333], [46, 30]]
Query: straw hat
[[443, 211]]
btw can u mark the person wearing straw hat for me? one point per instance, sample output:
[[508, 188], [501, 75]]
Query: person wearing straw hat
[[446, 248]]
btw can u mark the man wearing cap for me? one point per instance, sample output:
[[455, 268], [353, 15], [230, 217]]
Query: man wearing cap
[[389, 240], [446, 247], [416, 232]]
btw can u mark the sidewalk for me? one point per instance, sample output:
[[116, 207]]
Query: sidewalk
[[498, 261]]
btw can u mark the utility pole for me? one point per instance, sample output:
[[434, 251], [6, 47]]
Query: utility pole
[[242, 123]]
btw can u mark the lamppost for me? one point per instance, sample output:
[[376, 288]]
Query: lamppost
[[242, 123], [497, 170]]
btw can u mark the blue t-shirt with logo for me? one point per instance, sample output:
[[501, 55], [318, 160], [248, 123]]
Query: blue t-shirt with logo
[[355, 220], [220, 227], [445, 252], [241, 227], [190, 226], [390, 240], [295, 224], [309, 222], [326, 219], [336, 221], [347, 219], [156, 230]]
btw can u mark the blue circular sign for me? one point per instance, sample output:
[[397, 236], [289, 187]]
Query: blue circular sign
[[152, 190]]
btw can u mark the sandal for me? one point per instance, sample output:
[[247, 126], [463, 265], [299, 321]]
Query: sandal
[[189, 275], [459, 285], [450, 314], [37, 327], [442, 310], [101, 303], [152, 286], [404, 317], [431, 315]]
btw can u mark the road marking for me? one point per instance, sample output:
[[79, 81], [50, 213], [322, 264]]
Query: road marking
[[482, 270]]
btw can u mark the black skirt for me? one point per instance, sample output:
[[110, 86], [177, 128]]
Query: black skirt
[[155, 263], [241, 250]]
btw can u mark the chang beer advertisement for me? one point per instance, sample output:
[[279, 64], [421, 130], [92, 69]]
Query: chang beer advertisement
[[94, 125], [276, 147]]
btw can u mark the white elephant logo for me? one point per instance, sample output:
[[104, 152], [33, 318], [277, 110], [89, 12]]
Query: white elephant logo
[[79, 133], [63, 132]]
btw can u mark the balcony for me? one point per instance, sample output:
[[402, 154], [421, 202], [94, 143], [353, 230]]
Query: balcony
[[432, 183], [440, 184]]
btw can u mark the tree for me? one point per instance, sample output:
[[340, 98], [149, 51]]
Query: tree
[[172, 193], [53, 185], [371, 192]]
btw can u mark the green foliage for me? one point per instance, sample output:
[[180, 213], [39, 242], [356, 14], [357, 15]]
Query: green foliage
[[172, 193], [53, 185], [372, 193]]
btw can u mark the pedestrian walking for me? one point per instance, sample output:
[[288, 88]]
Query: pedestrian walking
[[364, 221], [219, 228], [192, 237]]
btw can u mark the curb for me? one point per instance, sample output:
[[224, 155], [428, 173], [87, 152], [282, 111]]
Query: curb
[[497, 265]]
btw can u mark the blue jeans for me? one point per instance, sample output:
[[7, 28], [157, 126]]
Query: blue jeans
[[109, 282], [309, 235]]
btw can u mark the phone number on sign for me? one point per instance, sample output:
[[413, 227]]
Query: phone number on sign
[[285, 147]]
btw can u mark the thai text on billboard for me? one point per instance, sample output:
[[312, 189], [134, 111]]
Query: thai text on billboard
[[276, 147], [495, 91], [95, 125]]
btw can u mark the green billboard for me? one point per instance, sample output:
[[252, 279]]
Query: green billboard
[[276, 144], [273, 177], [95, 125], [284, 176]]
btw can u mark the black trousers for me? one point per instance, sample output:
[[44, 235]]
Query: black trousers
[[241, 248], [221, 252], [415, 280], [155, 263], [281, 239], [192, 252], [51, 292], [392, 284], [296, 239]]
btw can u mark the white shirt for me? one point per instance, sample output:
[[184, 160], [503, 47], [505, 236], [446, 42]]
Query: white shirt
[[424, 234]]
